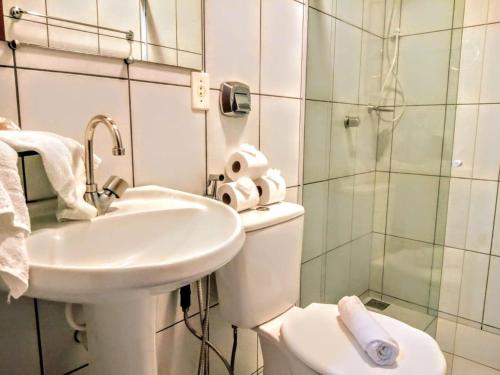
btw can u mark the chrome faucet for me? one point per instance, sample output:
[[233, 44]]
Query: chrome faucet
[[115, 186]]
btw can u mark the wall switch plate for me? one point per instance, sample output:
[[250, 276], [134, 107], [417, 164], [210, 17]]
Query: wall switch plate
[[200, 90]]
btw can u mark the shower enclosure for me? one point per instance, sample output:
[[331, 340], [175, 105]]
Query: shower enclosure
[[376, 193]]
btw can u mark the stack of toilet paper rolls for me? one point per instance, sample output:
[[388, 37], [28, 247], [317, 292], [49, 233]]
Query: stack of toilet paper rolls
[[253, 183]]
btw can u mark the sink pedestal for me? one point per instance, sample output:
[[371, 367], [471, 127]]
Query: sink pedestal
[[121, 337]]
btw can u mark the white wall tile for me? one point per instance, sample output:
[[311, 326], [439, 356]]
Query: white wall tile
[[380, 201], [292, 194], [317, 141], [343, 141], [161, 22], [475, 12], [19, 354], [481, 215], [492, 306], [337, 274], [458, 212], [169, 139], [465, 139], [310, 282], [450, 281], [350, 11], [347, 63], [478, 346], [423, 67], [26, 31], [418, 141], [160, 73], [377, 262], [374, 16], [340, 205], [471, 64], [412, 206], [233, 41], [8, 104], [462, 366], [279, 135], [221, 336], [496, 231], [371, 69], [315, 201], [426, 15], [128, 18], [281, 47], [72, 102], [366, 142], [445, 335], [6, 57], [490, 84], [327, 6], [472, 291], [226, 134], [407, 271], [359, 280], [189, 25], [487, 155], [320, 56], [61, 353], [494, 11], [364, 185]]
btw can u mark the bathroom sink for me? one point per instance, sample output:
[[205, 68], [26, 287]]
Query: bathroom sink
[[152, 241]]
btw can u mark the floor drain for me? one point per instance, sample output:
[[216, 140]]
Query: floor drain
[[377, 304]]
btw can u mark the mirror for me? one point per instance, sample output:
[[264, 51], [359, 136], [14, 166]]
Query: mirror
[[160, 31]]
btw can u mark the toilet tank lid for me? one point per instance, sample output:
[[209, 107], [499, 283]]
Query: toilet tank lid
[[266, 216]]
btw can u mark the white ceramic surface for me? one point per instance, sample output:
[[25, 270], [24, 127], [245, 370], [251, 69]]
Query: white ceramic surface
[[153, 239]]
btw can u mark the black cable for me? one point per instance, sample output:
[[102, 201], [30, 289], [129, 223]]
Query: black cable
[[235, 345]]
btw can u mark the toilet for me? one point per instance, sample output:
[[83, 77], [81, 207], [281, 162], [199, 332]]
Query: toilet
[[259, 289]]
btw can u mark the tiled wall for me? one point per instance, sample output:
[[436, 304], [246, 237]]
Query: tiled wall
[[254, 41], [413, 155], [469, 303], [344, 62]]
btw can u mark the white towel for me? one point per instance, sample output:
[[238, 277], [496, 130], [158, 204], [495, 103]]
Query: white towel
[[63, 160], [14, 225], [370, 335]]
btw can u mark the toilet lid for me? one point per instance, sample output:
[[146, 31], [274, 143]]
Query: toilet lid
[[317, 337]]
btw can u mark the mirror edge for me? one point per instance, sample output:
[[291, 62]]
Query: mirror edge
[[2, 27]]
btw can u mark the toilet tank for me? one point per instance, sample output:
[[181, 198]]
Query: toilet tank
[[263, 280]]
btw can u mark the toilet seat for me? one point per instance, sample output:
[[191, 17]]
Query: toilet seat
[[316, 337]]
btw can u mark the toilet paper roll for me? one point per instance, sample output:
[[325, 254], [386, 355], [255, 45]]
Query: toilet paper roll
[[240, 195], [247, 162], [271, 188]]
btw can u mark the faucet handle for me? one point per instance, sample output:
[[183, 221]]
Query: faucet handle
[[116, 186]]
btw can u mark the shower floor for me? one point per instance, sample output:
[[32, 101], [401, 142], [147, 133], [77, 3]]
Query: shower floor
[[411, 314]]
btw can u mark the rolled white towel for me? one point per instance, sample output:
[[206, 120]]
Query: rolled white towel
[[370, 335]]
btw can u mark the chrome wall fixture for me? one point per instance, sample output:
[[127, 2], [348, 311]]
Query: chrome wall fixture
[[17, 13], [235, 99], [351, 121]]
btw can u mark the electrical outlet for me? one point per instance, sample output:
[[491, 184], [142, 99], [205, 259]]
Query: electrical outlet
[[200, 90]]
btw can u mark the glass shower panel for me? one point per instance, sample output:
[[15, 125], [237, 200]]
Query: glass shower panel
[[376, 195]]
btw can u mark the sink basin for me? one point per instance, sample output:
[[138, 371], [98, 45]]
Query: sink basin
[[152, 241]]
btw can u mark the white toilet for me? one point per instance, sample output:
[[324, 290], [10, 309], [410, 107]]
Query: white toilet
[[259, 288]]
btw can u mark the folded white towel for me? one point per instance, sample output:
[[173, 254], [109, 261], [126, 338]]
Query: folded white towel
[[14, 225], [63, 160], [370, 335]]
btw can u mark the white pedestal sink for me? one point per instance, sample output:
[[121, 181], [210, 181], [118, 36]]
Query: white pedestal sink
[[153, 241]]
